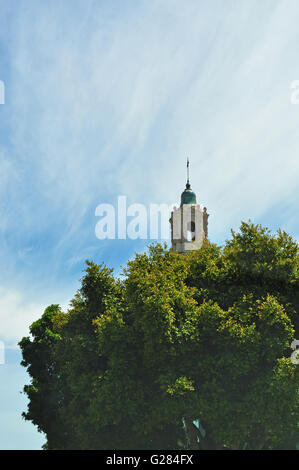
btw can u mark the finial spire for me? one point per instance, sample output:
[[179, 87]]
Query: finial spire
[[188, 183]]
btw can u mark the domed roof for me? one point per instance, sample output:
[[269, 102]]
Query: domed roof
[[188, 196]]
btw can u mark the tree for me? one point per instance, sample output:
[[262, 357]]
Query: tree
[[182, 352]]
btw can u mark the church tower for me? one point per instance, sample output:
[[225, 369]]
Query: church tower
[[189, 222]]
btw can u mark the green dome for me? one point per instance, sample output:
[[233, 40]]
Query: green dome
[[188, 196]]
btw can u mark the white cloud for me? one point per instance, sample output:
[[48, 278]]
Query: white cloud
[[18, 312], [16, 315]]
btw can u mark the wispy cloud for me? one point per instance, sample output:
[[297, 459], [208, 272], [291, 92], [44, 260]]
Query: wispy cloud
[[109, 98]]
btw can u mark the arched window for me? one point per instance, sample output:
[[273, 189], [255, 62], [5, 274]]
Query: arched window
[[191, 231]]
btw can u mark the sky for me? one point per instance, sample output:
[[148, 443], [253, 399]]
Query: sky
[[108, 98]]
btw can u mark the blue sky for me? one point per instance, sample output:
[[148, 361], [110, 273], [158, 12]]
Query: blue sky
[[108, 98]]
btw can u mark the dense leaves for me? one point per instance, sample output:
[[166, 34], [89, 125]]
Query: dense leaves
[[183, 352]]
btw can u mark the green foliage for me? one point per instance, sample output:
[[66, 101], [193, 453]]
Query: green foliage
[[202, 338]]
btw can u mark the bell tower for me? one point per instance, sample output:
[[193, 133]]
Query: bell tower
[[189, 222]]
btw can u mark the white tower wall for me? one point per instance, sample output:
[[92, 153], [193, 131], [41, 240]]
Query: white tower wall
[[188, 227]]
